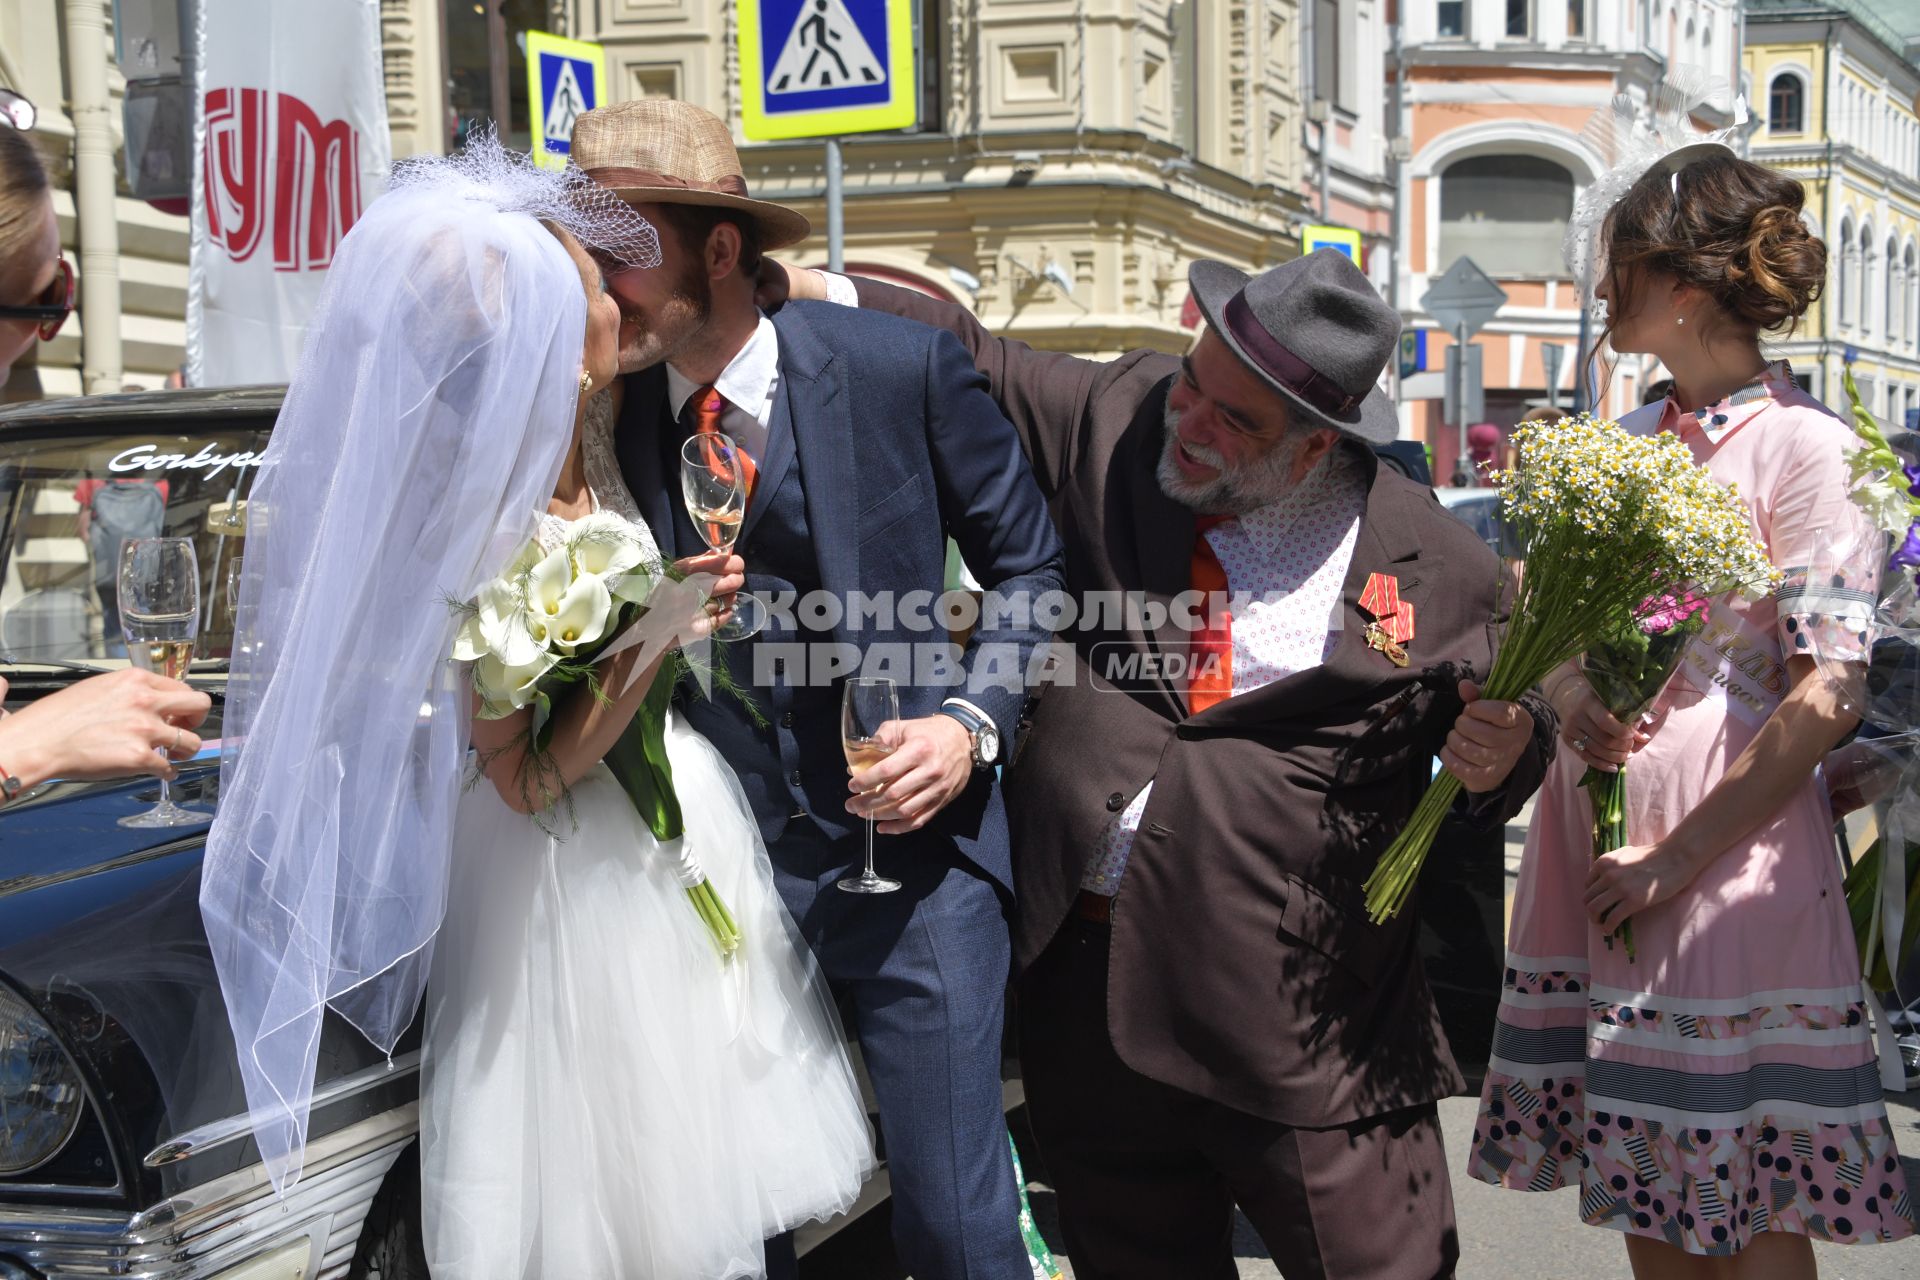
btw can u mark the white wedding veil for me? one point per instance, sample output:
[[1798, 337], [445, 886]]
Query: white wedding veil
[[419, 441]]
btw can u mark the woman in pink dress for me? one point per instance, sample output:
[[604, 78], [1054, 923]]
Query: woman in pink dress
[[1715, 1096]]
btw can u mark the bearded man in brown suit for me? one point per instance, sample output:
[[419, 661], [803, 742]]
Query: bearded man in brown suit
[[1207, 1016]]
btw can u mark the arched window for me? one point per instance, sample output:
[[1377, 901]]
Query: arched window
[[1867, 278], [1910, 302], [1845, 288], [1509, 212], [1896, 280], [1787, 104]]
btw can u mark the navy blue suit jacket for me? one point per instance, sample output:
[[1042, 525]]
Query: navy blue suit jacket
[[900, 446]]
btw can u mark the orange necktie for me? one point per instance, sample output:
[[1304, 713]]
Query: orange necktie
[[1212, 649], [705, 406]]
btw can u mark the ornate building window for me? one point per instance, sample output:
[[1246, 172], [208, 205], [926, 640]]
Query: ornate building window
[[487, 67], [1508, 212], [1519, 19], [1910, 300], [1787, 104], [1868, 268], [1896, 283], [1452, 15], [1577, 19], [1846, 285]]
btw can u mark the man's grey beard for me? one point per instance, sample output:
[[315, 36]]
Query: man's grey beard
[[1240, 489]]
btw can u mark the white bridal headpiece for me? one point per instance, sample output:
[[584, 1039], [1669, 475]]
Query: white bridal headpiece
[[487, 173], [1633, 137], [419, 440]]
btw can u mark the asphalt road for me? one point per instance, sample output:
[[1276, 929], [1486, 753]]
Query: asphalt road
[[1504, 1235]]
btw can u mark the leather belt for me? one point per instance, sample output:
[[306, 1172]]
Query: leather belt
[[1096, 908]]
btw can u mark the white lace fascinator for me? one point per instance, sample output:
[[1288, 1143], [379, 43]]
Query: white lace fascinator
[[1633, 137], [420, 438]]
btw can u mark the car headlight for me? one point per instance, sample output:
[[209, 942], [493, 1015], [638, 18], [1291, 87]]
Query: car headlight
[[41, 1099]]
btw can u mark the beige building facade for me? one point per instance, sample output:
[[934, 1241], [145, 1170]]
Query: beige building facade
[[1496, 97], [1073, 156], [1837, 89]]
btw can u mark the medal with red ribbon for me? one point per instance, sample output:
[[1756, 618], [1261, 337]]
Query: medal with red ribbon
[[1391, 628]]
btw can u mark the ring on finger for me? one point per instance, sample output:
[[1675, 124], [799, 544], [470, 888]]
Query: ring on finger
[[176, 741], [1580, 743]]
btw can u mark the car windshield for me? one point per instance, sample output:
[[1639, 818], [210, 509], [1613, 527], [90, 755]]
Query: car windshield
[[69, 501]]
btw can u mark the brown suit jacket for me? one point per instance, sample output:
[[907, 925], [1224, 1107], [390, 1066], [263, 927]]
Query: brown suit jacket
[[1243, 967]]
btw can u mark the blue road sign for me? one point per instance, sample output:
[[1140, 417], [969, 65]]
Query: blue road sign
[[564, 80], [817, 68], [1413, 352]]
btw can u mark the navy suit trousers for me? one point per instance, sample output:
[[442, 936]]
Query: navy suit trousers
[[922, 973]]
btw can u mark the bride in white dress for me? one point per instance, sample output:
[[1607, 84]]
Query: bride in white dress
[[603, 1097], [672, 1111]]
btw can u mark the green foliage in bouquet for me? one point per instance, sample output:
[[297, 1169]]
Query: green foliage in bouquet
[[1610, 521], [1628, 671]]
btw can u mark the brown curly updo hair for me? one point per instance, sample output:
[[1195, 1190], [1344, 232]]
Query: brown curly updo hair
[[1726, 226]]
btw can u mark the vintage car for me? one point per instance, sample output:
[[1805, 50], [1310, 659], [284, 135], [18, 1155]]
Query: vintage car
[[125, 1147], [125, 1142]]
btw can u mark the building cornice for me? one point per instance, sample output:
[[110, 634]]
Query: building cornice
[[891, 166], [1851, 164]]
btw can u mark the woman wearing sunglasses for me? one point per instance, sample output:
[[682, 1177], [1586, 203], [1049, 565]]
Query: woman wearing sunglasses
[[36, 284], [120, 722]]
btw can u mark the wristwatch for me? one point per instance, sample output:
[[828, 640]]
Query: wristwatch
[[986, 738]]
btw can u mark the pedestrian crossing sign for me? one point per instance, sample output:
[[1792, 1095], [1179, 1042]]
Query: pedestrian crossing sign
[[1345, 239], [822, 68], [565, 78]]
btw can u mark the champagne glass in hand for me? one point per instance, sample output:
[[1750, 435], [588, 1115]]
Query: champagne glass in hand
[[159, 596], [865, 706], [713, 481]]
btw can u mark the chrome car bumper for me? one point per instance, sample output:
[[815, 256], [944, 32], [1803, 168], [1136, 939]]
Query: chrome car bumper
[[233, 1228]]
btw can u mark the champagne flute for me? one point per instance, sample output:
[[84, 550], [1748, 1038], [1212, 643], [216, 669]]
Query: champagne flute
[[159, 597], [866, 705], [713, 481]]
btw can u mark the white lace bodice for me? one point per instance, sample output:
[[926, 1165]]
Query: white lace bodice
[[604, 483]]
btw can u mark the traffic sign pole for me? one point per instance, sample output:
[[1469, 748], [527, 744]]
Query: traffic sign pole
[[1462, 467], [1583, 369], [836, 215], [1552, 354]]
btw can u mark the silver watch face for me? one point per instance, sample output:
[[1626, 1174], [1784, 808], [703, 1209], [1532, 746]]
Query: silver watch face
[[989, 744]]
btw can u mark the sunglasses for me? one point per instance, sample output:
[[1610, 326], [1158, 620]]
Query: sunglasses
[[52, 307]]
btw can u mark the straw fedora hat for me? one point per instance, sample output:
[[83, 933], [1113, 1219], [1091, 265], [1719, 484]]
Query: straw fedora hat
[[660, 151]]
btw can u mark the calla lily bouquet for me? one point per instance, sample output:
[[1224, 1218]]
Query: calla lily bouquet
[[1885, 486], [1882, 767], [540, 630]]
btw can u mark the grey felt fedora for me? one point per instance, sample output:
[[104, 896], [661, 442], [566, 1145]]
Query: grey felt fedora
[[1315, 331]]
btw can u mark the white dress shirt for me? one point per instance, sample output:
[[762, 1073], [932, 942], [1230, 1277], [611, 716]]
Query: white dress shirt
[[748, 383], [1291, 557]]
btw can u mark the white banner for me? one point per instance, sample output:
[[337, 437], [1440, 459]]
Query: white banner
[[290, 143]]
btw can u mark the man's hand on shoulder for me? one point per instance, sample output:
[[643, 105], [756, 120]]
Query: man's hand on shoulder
[[931, 763], [1487, 741], [779, 283]]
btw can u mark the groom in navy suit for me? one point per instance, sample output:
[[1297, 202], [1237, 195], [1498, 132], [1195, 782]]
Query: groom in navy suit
[[873, 440]]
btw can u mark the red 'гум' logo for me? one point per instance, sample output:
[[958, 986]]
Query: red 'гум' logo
[[312, 194]]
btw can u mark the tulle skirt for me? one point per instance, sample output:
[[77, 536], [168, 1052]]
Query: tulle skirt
[[602, 1096]]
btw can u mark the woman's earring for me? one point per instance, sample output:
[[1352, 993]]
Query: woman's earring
[[1676, 320], [586, 383]]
